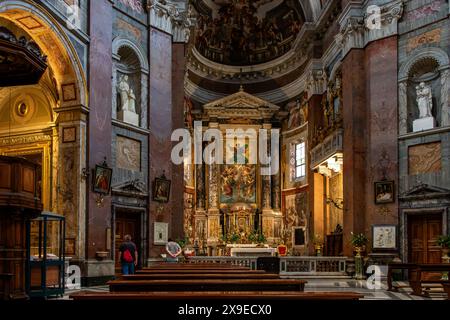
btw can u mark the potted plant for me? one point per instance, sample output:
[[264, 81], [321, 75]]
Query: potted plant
[[359, 242], [253, 237], [235, 237], [444, 242], [261, 238]]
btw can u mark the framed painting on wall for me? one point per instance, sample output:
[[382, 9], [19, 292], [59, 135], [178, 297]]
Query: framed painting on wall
[[384, 192], [384, 237], [102, 179], [161, 191], [161, 231]]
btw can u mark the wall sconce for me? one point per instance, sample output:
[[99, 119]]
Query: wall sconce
[[84, 174], [99, 200]]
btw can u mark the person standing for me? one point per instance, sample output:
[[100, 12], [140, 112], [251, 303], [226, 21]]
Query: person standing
[[128, 255]]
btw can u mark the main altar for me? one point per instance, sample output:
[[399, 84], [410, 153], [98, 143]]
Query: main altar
[[233, 201]]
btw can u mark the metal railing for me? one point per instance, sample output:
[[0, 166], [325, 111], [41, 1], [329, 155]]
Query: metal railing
[[295, 265]]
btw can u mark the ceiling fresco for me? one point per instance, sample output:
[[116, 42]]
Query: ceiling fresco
[[246, 32]]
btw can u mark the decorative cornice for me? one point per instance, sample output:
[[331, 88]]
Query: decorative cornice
[[25, 139], [355, 20], [240, 105], [316, 82], [313, 70], [172, 18], [133, 188]]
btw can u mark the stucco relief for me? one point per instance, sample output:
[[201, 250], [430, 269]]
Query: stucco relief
[[128, 154], [425, 158]]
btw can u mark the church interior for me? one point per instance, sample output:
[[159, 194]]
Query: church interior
[[279, 144]]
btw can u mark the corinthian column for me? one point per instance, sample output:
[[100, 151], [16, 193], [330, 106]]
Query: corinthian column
[[200, 213], [200, 186], [266, 181]]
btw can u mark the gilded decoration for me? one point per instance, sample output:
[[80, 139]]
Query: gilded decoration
[[236, 206], [331, 112]]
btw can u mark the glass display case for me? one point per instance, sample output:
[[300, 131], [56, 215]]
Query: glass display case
[[45, 256]]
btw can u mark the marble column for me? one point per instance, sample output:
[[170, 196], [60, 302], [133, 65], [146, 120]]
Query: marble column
[[200, 186], [445, 92], [268, 215], [266, 180], [200, 218], [276, 192], [213, 205], [214, 228]]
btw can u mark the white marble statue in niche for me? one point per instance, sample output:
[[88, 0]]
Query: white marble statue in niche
[[424, 100], [132, 101], [127, 111], [124, 89], [425, 104]]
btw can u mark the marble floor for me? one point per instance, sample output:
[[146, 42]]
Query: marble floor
[[336, 285]]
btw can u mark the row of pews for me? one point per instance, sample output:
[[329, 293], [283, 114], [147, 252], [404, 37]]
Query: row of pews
[[420, 276], [207, 281]]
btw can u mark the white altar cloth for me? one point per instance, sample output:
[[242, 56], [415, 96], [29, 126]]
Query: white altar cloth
[[235, 252]]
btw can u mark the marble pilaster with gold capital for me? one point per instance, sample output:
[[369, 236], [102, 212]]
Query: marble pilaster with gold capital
[[213, 204]]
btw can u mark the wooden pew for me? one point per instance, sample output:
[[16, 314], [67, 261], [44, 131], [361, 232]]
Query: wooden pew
[[193, 276], [422, 274], [217, 295], [197, 271], [207, 285], [397, 266], [6, 278], [195, 266]]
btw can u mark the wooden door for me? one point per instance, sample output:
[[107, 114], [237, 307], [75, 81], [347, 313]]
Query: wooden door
[[423, 231], [127, 224]]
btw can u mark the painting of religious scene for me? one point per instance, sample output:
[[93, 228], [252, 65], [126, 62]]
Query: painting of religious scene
[[295, 210], [237, 151], [243, 32], [238, 184]]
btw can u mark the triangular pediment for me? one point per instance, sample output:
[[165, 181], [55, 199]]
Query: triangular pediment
[[241, 99], [132, 187], [427, 190], [241, 104]]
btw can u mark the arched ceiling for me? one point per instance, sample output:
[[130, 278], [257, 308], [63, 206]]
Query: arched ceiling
[[226, 48]]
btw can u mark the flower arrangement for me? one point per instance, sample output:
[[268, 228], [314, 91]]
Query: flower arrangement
[[261, 238], [359, 240], [253, 237], [444, 241], [235, 237], [183, 242]]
